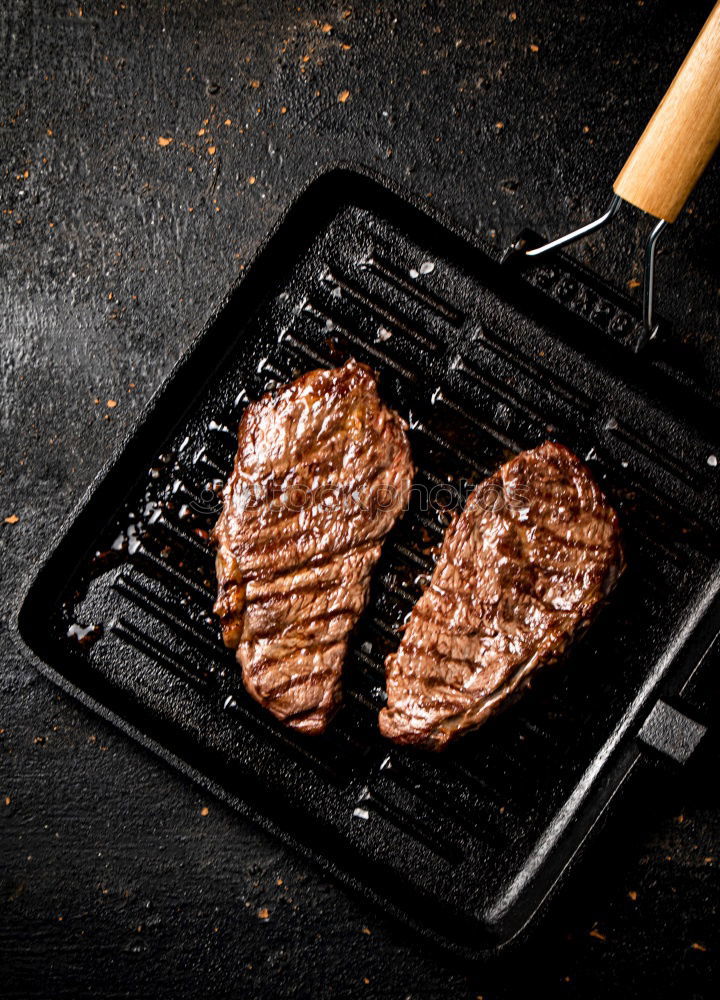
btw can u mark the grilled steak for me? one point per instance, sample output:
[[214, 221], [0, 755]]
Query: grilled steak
[[519, 573], [323, 470]]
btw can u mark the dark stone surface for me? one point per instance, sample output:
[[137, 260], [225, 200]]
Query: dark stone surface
[[114, 881]]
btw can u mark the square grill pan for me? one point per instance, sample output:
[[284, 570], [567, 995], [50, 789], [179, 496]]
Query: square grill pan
[[483, 359]]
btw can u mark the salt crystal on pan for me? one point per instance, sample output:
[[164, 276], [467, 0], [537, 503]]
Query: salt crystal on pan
[[383, 334], [414, 273], [712, 460], [361, 813], [427, 267]]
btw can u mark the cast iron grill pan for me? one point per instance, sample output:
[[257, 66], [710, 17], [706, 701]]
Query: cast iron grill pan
[[482, 361]]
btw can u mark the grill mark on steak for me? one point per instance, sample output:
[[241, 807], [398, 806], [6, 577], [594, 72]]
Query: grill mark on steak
[[306, 588], [519, 574], [268, 547], [281, 546], [293, 577], [302, 629]]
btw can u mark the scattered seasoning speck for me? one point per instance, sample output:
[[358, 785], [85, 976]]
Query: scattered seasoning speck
[[255, 84], [279, 882], [712, 460], [597, 934], [212, 150], [499, 125], [366, 930], [251, 179], [326, 29], [343, 96], [12, 519], [111, 404], [164, 140], [201, 131], [346, 46], [264, 913], [283, 110], [534, 48], [7, 800], [696, 946], [228, 121], [204, 811], [633, 895], [633, 283]]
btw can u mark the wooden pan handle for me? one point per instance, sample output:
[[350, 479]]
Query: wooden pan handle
[[681, 136]]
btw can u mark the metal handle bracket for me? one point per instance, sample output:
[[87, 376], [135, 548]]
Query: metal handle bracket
[[650, 248]]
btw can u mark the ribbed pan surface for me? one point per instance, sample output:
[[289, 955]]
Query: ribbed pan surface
[[482, 361]]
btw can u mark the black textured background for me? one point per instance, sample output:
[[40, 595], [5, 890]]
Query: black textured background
[[117, 878]]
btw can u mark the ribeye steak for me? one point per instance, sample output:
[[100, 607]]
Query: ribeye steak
[[520, 571], [323, 470]]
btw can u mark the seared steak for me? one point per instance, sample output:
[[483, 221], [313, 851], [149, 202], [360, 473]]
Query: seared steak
[[520, 571], [323, 470]]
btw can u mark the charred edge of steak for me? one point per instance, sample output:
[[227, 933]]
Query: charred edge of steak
[[518, 577], [301, 528]]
